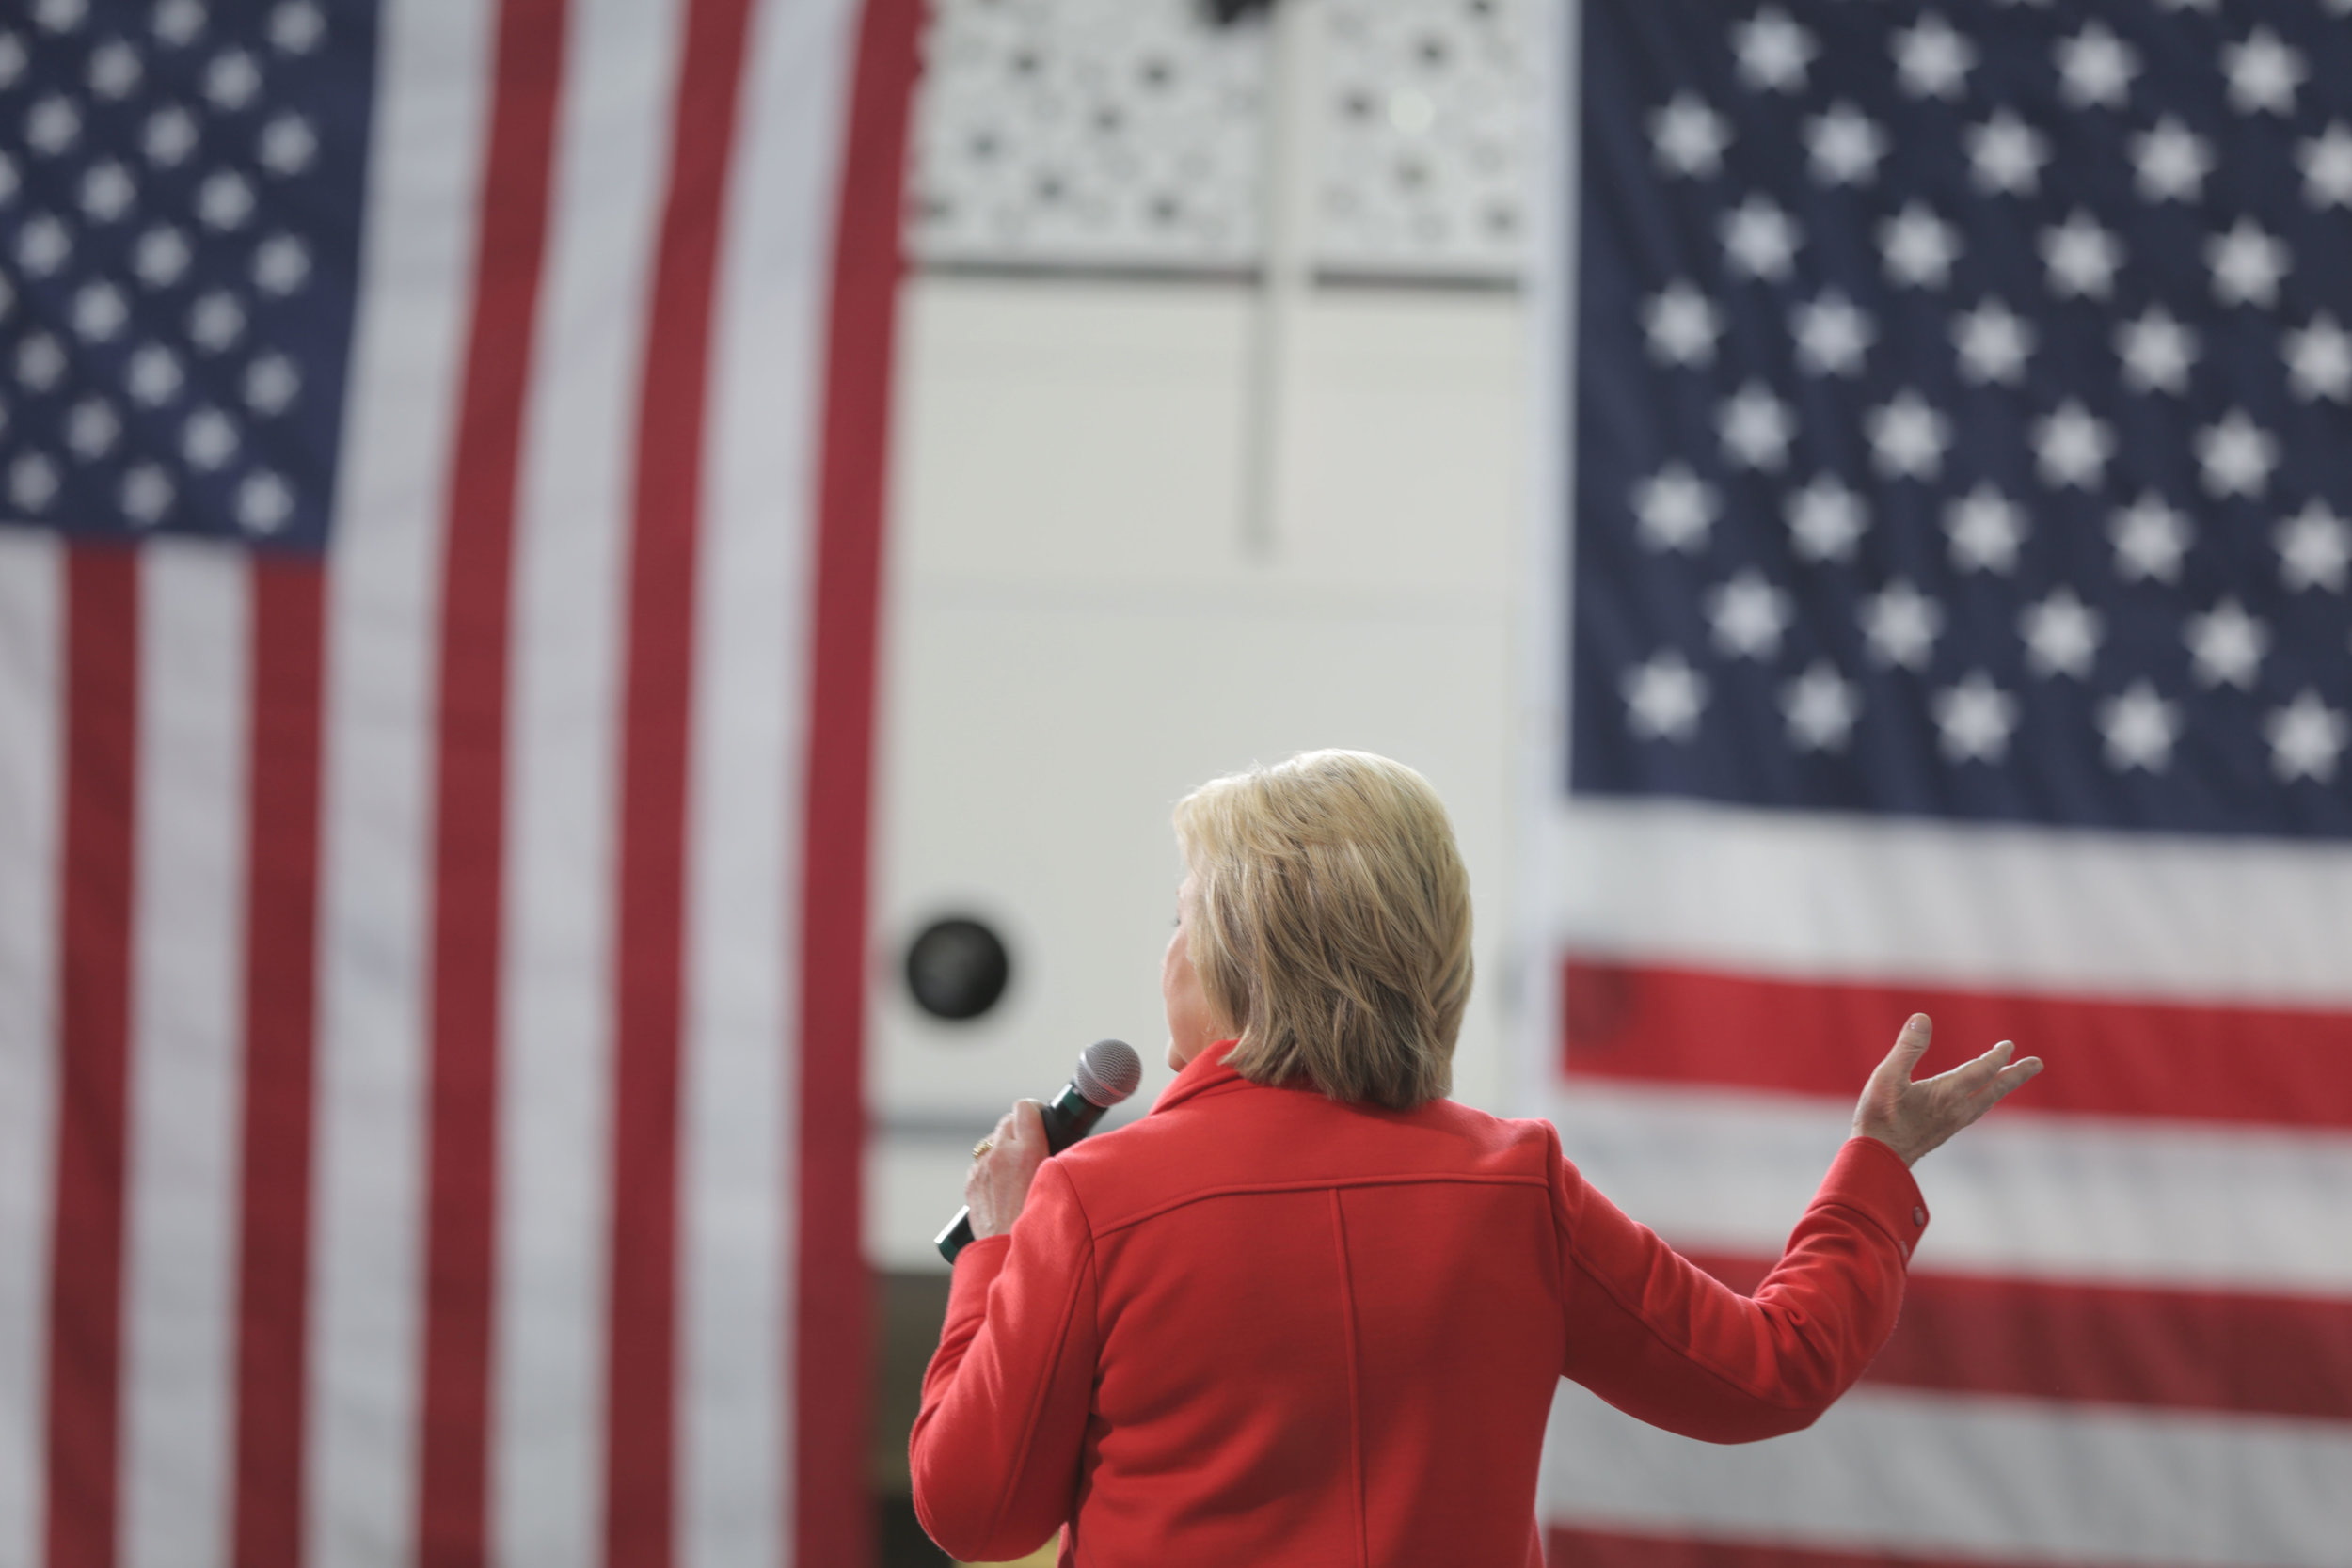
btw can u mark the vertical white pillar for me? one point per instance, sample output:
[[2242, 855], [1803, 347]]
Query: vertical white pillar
[[1293, 115]]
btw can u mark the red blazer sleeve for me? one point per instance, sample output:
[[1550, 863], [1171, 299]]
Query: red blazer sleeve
[[994, 1450], [1664, 1342]]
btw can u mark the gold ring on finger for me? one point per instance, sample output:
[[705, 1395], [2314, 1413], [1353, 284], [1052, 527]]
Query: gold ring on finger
[[979, 1150]]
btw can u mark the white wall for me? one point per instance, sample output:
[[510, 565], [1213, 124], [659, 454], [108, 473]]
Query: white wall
[[1075, 636]]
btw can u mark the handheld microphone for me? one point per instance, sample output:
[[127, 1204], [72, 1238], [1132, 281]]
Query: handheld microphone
[[1107, 1072]]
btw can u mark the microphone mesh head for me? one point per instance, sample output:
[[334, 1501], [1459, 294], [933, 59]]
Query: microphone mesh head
[[1108, 1072]]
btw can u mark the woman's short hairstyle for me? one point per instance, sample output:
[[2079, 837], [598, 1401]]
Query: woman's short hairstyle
[[1333, 924]]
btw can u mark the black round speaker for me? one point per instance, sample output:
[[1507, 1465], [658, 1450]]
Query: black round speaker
[[957, 968]]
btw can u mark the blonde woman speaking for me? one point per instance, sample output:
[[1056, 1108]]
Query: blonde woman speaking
[[1310, 1311]]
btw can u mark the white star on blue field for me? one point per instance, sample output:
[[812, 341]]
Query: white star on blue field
[[1961, 400]]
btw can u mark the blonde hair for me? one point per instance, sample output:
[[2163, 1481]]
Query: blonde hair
[[1332, 925]]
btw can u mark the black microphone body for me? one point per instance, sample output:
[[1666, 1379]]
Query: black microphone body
[[1112, 1076], [1069, 1116]]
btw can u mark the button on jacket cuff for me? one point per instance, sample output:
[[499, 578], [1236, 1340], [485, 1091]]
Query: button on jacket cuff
[[1870, 1177]]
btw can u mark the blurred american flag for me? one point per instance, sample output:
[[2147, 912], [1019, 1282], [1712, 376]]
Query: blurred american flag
[[440, 449], [1961, 607]]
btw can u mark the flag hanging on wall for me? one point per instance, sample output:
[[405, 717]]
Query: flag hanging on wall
[[440, 472], [1958, 607]]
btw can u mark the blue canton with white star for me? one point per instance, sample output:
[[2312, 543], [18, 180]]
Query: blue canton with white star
[[1964, 411], [181, 191]]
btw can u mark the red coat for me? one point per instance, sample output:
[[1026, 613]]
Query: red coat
[[1257, 1326]]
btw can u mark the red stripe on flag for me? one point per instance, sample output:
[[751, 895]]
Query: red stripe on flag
[[470, 791], [281, 987], [830, 1357], [641, 1402], [101, 691], [2115, 1056], [1571, 1547], [2189, 1349]]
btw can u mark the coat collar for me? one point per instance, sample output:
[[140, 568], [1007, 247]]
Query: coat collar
[[1204, 1072]]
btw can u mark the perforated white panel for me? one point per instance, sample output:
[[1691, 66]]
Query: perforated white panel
[[1425, 156], [1088, 132], [1130, 133]]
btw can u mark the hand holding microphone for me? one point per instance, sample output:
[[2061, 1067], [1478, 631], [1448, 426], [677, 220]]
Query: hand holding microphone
[[1002, 1168], [1006, 1162]]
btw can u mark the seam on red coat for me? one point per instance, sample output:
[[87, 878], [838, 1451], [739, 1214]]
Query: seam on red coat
[[1559, 1253], [1324, 1183], [1094, 1278], [1354, 1392], [1046, 1383]]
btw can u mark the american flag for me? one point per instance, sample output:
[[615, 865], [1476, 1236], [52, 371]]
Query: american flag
[[440, 457], [1960, 594]]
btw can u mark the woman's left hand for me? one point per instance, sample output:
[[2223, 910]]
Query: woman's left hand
[[1912, 1117], [1001, 1174]]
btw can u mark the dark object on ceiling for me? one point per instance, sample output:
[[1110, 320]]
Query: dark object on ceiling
[[1226, 12], [957, 968]]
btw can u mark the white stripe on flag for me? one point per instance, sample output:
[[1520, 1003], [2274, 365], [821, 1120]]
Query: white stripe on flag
[[1983, 1478], [32, 748], [185, 1101], [737, 1149], [376, 820], [2017, 908], [2093, 1199], [546, 1446]]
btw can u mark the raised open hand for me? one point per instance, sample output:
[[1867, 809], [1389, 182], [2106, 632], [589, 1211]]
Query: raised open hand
[[1913, 1118]]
